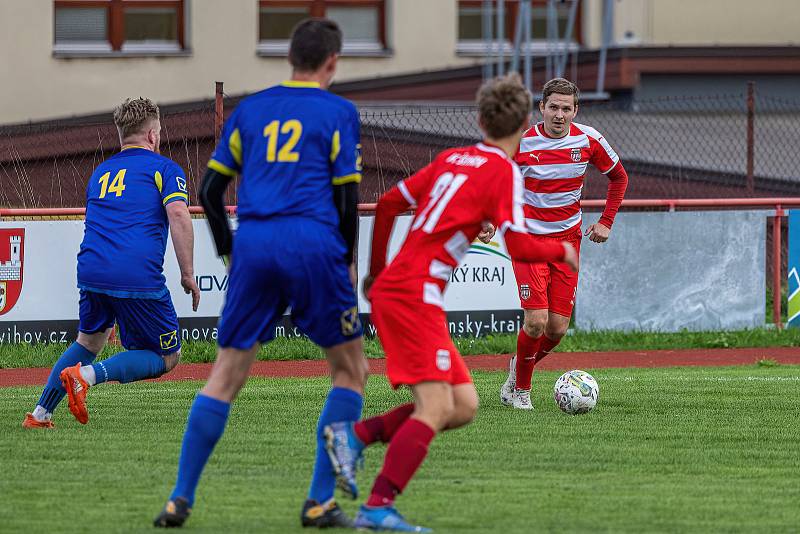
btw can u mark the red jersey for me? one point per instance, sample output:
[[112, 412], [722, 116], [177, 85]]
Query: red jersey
[[461, 189], [554, 170]]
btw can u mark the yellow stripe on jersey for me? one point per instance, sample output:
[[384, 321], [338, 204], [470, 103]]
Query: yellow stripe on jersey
[[235, 145], [126, 147], [355, 177], [215, 165], [174, 195], [336, 146], [298, 83], [159, 181]]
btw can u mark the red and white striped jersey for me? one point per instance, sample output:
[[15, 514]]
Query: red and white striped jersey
[[553, 170], [453, 196]]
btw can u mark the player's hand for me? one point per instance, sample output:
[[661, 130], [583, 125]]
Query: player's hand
[[570, 256], [366, 285], [487, 232], [190, 286], [598, 233], [351, 269]]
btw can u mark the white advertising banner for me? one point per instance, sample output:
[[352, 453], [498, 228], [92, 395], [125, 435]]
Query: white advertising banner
[[482, 295], [41, 297]]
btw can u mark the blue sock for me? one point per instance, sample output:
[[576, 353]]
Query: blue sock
[[53, 392], [341, 405], [130, 366], [205, 426]]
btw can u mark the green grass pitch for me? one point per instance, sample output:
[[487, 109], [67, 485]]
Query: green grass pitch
[[666, 450]]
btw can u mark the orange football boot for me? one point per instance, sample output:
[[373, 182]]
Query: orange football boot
[[31, 422], [76, 388]]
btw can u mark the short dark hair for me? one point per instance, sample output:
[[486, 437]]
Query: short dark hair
[[503, 105], [560, 86], [312, 42]]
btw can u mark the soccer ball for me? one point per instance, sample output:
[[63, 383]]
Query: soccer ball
[[576, 392]]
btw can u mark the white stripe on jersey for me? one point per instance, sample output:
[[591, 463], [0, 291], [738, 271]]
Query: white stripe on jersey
[[431, 294], [556, 171], [404, 191], [536, 226], [440, 270], [457, 246], [518, 224], [552, 200], [540, 142]]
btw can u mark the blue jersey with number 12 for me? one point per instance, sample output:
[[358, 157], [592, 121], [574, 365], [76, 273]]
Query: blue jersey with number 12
[[290, 143], [125, 234]]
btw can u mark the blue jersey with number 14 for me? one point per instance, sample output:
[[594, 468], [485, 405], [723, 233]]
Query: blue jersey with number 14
[[125, 234], [290, 143]]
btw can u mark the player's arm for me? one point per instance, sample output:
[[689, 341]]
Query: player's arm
[[522, 247], [225, 163], [606, 160], [212, 195], [390, 205], [617, 185], [346, 175], [345, 197], [180, 226]]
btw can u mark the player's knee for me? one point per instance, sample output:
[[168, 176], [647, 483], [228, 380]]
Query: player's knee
[[534, 326], [171, 361], [556, 332]]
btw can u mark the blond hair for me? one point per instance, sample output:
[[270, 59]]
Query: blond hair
[[132, 116], [503, 105], [560, 86]]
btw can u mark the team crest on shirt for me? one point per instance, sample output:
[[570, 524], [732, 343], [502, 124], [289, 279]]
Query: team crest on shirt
[[524, 292], [12, 255], [575, 154], [443, 359], [350, 321]]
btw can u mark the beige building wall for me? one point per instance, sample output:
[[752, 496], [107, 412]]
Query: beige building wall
[[222, 36], [422, 34], [706, 22]]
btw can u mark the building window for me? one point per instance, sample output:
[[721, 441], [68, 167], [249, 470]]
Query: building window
[[470, 25], [363, 23], [119, 26]]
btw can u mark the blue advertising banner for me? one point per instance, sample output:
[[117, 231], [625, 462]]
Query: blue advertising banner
[[794, 268]]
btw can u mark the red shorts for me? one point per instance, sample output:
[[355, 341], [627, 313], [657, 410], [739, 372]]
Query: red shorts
[[549, 286], [417, 342]]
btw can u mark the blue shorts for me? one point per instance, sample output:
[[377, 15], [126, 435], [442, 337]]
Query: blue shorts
[[149, 324], [288, 262]]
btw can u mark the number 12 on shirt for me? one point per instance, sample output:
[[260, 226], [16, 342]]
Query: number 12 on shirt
[[286, 153]]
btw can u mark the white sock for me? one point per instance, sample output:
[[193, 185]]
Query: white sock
[[87, 372], [40, 414]]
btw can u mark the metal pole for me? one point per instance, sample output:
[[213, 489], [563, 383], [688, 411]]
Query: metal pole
[[751, 114], [608, 20], [776, 267], [517, 41], [218, 111], [570, 30], [501, 37], [486, 21], [552, 37], [525, 6]]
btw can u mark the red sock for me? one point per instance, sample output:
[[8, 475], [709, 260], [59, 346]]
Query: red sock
[[527, 347], [405, 454], [545, 347], [382, 427]]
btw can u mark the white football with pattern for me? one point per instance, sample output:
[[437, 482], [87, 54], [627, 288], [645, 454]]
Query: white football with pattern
[[576, 392]]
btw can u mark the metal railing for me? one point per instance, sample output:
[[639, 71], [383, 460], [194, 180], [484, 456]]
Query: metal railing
[[776, 204]]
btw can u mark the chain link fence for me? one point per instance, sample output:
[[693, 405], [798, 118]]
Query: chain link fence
[[700, 147]]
